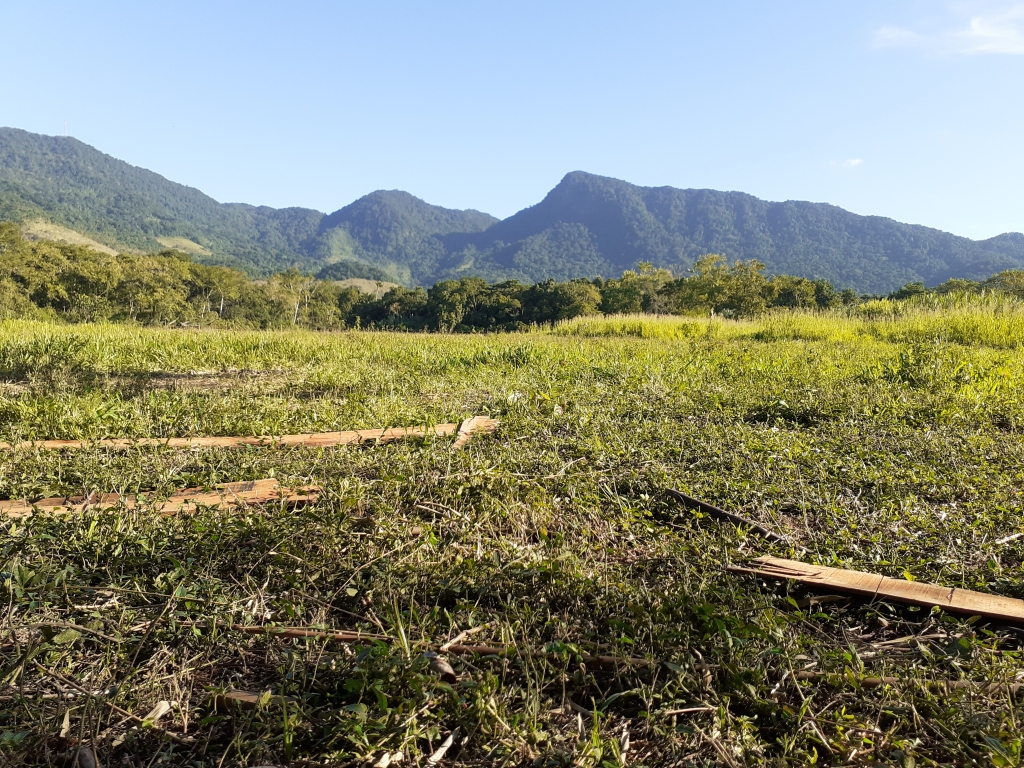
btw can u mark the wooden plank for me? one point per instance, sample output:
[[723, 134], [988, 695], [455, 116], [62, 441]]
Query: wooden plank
[[874, 586], [228, 495], [464, 431], [471, 426]]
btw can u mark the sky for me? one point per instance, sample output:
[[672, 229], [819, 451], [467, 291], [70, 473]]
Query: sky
[[908, 109]]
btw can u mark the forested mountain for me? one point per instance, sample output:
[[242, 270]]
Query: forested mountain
[[591, 225], [385, 235], [586, 226], [62, 180], [398, 234]]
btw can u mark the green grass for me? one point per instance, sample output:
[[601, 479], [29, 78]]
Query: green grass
[[881, 442]]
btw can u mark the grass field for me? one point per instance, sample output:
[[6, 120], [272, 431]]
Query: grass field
[[884, 441], [184, 244]]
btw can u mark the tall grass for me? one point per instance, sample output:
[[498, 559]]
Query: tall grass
[[665, 327], [992, 321]]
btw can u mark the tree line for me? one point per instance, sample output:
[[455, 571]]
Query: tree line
[[49, 280]]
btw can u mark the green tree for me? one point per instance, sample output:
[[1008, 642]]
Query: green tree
[[451, 300], [635, 291], [1011, 281], [550, 302], [794, 292]]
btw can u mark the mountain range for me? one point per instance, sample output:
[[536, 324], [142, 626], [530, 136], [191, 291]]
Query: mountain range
[[586, 226]]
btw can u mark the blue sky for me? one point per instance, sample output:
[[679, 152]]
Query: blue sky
[[913, 110]]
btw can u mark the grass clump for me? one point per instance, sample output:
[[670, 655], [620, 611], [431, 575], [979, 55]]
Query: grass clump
[[664, 327], [554, 537]]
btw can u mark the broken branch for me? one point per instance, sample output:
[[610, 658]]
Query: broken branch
[[720, 514]]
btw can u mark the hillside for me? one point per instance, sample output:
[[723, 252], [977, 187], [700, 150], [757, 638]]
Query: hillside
[[62, 182], [70, 184], [396, 233], [589, 225], [586, 226]]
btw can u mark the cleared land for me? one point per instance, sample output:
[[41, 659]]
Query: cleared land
[[184, 244], [375, 288], [594, 619], [37, 229]]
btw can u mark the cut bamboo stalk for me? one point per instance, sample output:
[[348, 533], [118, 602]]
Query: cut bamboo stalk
[[463, 430], [229, 495], [874, 586]]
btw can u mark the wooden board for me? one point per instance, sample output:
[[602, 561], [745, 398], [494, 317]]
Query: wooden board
[[873, 586], [471, 426], [464, 430], [189, 500]]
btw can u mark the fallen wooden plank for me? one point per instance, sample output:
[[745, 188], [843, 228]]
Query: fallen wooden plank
[[471, 426], [228, 495], [463, 430], [873, 586]]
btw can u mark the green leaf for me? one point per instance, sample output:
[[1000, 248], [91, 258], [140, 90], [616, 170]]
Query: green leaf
[[67, 637]]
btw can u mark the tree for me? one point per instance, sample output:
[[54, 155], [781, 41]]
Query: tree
[[750, 292], [450, 300], [635, 291], [213, 287], [794, 292], [550, 302], [294, 287], [739, 290], [909, 290], [1011, 281]]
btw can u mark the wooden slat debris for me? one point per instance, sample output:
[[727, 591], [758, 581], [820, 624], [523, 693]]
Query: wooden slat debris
[[469, 427], [874, 586], [228, 495], [464, 430]]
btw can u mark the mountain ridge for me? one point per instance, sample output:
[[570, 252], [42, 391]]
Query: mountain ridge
[[586, 226]]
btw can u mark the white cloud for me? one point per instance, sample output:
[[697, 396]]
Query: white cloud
[[894, 37], [853, 162], [994, 30], [999, 33]]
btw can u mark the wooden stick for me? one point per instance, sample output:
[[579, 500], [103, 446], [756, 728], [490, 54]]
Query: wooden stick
[[340, 636], [469, 426], [438, 756], [936, 685], [722, 515], [688, 711], [452, 648], [464, 430]]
